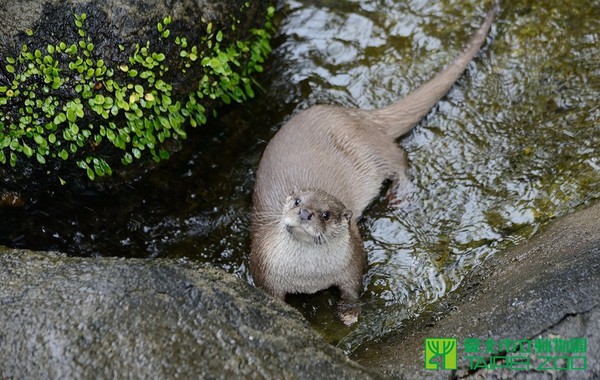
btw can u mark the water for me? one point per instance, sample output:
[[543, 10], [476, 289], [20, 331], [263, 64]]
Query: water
[[514, 145]]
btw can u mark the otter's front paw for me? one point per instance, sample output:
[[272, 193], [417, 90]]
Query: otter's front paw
[[348, 313]]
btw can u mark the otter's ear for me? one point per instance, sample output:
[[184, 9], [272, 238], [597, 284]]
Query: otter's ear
[[348, 214]]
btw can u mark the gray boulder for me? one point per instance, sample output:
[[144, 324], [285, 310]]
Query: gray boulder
[[115, 318]]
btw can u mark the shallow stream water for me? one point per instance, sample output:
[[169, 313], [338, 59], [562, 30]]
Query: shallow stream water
[[513, 145]]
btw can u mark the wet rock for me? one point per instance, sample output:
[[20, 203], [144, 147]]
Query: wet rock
[[103, 318], [546, 289], [111, 23]]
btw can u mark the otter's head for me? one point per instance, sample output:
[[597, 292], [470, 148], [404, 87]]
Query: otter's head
[[314, 216]]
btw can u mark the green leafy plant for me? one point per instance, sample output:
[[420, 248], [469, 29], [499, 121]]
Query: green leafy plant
[[131, 107]]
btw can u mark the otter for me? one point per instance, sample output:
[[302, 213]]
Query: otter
[[316, 177]]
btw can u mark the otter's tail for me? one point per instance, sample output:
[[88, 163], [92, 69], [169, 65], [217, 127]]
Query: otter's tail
[[400, 117]]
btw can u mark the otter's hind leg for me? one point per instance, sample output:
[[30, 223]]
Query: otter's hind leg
[[400, 189], [348, 312]]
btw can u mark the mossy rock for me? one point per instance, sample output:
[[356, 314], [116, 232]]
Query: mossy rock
[[88, 88]]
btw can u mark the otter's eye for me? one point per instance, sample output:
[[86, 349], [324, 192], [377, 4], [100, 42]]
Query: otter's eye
[[326, 215], [297, 201]]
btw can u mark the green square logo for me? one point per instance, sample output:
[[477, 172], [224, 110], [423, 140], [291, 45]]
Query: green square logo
[[440, 351]]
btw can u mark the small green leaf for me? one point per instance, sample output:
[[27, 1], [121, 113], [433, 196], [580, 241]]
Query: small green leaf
[[61, 117], [14, 144], [27, 150], [73, 128], [71, 115], [136, 153], [56, 83], [40, 158], [249, 91], [90, 173], [215, 63], [127, 159], [39, 140], [98, 99], [164, 122]]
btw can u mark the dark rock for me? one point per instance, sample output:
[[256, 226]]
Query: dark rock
[[127, 22], [105, 318], [548, 287]]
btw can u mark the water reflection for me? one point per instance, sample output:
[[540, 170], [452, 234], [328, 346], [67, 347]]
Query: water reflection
[[514, 143]]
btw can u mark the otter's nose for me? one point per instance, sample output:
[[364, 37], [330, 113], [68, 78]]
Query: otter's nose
[[305, 214]]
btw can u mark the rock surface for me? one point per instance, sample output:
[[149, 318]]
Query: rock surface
[[114, 22], [548, 287], [105, 318]]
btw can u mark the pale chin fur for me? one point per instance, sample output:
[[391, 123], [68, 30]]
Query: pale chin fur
[[305, 266]]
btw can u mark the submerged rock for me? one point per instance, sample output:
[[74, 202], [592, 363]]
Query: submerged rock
[[103, 318]]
